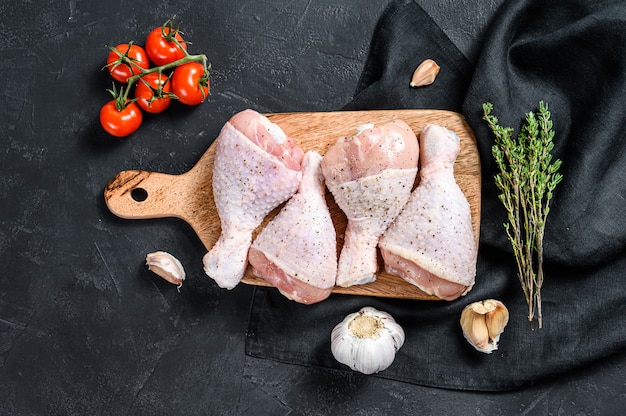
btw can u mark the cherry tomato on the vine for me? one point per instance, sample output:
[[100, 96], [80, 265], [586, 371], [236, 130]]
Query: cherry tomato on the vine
[[160, 47], [153, 92], [120, 70], [120, 123], [190, 83]]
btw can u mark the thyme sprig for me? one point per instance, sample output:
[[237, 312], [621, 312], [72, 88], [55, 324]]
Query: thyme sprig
[[526, 179]]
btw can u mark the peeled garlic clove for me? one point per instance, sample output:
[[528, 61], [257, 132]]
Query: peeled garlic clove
[[483, 322], [425, 73], [367, 340], [166, 266]]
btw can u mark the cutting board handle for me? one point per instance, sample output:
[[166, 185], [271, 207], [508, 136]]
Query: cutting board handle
[[138, 194]]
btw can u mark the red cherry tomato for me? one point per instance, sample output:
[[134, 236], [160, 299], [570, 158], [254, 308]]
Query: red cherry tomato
[[121, 70], [153, 92], [161, 48], [190, 83], [120, 123]]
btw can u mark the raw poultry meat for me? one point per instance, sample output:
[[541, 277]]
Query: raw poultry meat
[[256, 168], [297, 251], [370, 176], [431, 243]]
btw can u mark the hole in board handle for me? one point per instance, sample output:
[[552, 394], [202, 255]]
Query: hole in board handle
[[139, 194]]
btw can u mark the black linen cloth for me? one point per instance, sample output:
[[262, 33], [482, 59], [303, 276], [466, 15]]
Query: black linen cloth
[[572, 55]]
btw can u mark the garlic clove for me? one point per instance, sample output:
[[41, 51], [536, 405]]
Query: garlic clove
[[483, 322], [367, 340], [425, 73], [496, 320], [475, 330], [166, 266]]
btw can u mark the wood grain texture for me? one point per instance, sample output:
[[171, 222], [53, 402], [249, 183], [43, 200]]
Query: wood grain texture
[[136, 194]]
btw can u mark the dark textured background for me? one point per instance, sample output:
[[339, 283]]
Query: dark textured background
[[84, 327]]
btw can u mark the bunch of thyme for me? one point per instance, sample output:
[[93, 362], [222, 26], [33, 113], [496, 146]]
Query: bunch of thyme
[[527, 178]]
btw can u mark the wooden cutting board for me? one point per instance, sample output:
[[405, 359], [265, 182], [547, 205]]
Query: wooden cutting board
[[136, 194]]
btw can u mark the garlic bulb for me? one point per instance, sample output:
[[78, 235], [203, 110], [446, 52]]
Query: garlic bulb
[[166, 266], [367, 340], [425, 73], [483, 323]]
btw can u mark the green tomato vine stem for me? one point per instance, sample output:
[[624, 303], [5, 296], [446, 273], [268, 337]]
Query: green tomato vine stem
[[201, 58]]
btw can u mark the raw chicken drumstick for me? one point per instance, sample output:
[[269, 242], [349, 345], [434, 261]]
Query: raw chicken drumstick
[[297, 251], [256, 168], [370, 176], [431, 244]]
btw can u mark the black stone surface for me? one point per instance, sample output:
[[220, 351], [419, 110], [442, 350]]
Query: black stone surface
[[84, 327]]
